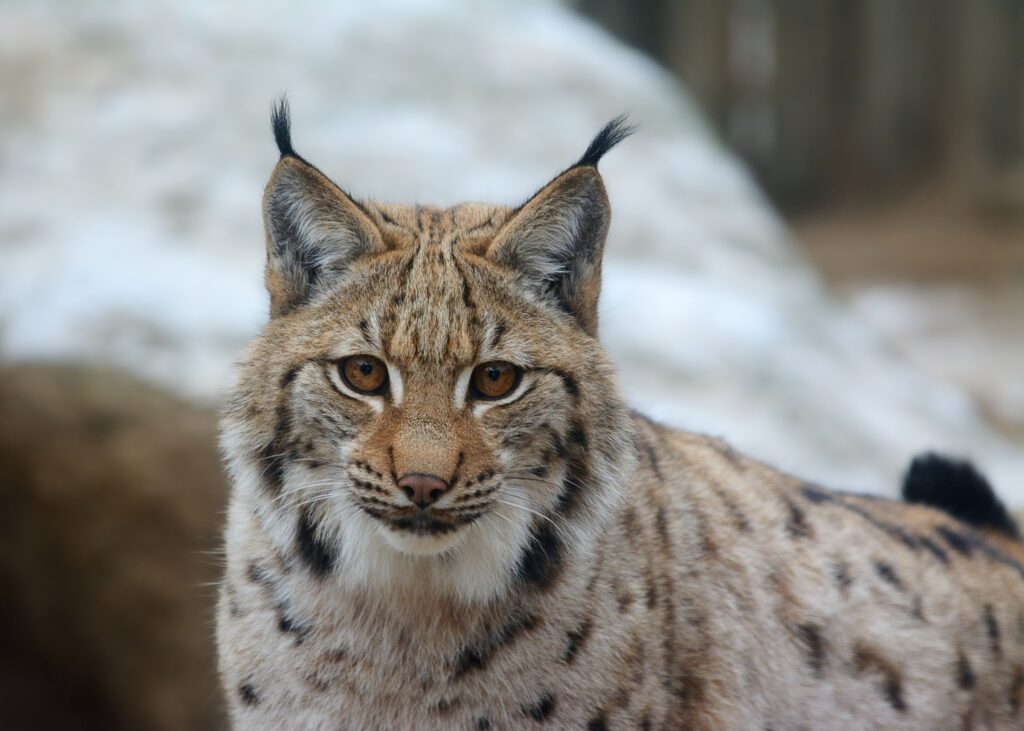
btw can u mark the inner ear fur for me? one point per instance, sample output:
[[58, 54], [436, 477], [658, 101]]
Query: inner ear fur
[[556, 239], [314, 232]]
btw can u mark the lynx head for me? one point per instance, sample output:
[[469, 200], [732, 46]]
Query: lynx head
[[428, 407]]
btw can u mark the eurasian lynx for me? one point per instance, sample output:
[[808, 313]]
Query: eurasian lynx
[[444, 516]]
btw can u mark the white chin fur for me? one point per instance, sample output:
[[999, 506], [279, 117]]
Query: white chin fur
[[415, 545], [474, 563]]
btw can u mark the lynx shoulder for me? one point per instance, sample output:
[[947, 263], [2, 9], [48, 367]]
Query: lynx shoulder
[[444, 516]]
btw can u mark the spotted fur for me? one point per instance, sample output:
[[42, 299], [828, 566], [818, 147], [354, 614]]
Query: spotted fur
[[587, 568]]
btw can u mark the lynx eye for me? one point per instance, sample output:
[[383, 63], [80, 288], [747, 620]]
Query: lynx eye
[[495, 379], [364, 374]]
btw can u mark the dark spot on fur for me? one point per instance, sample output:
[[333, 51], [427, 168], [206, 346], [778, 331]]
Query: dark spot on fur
[[289, 376], [289, 626], [894, 691], [868, 660], [476, 657], [499, 331], [391, 465], [742, 524], [964, 672], [630, 524], [796, 523], [541, 560], [966, 542], [313, 551], [933, 548], [814, 646], [661, 523], [558, 444], [817, 495], [483, 723], [273, 458], [707, 540], [992, 630], [568, 382], [917, 608], [841, 572], [445, 706], [1017, 690], [541, 709], [895, 532], [258, 575], [625, 601], [888, 574], [576, 478], [576, 639], [470, 659], [578, 436], [248, 694], [597, 724], [651, 589], [454, 479], [956, 540], [652, 457], [318, 682]]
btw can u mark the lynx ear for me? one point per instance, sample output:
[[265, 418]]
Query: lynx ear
[[555, 240], [314, 229]]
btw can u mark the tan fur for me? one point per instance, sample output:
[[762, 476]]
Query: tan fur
[[602, 571]]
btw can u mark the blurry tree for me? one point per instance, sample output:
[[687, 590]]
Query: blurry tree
[[848, 97]]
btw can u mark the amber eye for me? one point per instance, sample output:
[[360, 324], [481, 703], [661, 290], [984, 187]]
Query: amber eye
[[495, 379], [364, 373]]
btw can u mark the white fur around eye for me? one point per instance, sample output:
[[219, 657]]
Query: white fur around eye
[[462, 386], [396, 384]]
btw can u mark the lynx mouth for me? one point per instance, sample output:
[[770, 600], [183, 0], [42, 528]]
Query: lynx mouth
[[422, 522], [422, 533]]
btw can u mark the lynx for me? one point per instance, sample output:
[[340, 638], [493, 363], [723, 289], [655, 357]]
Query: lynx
[[444, 515]]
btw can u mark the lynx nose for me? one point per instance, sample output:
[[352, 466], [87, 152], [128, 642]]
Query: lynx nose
[[423, 489]]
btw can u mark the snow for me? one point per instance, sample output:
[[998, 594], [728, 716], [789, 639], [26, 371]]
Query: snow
[[136, 145]]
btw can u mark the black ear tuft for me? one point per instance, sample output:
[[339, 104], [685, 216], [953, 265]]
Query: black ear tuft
[[958, 488], [610, 135], [280, 120]]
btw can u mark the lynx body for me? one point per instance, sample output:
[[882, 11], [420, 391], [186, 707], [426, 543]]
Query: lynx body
[[445, 517]]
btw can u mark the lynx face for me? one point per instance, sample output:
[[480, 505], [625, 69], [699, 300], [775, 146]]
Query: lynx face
[[412, 416]]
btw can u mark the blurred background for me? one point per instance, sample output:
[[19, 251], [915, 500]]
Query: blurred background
[[817, 252]]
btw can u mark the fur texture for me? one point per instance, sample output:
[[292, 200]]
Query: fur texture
[[586, 568]]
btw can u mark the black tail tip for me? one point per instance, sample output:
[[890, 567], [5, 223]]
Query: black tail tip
[[610, 135], [956, 487], [280, 120]]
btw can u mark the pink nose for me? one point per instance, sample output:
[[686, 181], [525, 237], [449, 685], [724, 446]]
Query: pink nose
[[423, 489]]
